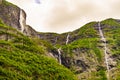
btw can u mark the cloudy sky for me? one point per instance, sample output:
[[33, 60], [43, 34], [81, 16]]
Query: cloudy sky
[[66, 15]]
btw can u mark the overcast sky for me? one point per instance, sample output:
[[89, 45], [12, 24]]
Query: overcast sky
[[66, 15]]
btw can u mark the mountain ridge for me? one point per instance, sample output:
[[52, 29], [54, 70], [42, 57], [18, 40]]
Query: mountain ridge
[[81, 51]]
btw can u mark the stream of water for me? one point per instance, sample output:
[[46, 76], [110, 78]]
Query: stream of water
[[21, 20], [67, 39], [59, 50], [105, 49], [59, 55]]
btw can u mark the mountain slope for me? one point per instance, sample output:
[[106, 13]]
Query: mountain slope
[[84, 53], [22, 58], [91, 52]]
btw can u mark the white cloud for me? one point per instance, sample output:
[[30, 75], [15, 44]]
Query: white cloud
[[66, 15]]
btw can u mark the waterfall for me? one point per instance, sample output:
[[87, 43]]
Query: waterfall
[[105, 50], [59, 55], [67, 39], [21, 20]]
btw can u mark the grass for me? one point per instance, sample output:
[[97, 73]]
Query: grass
[[32, 66], [111, 22], [23, 58], [111, 29], [86, 31], [88, 45], [8, 3]]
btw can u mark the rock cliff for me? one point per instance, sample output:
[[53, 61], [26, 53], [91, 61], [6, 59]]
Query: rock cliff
[[13, 16], [91, 52]]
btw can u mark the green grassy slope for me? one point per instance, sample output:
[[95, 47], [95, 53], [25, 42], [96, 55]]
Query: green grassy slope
[[111, 29], [21, 58], [87, 58], [84, 54], [28, 58]]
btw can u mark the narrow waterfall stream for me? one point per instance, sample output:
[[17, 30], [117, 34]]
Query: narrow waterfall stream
[[21, 20], [105, 50], [67, 39], [59, 55], [59, 50]]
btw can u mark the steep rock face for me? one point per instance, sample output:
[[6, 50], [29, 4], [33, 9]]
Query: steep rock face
[[15, 17], [9, 14], [29, 31], [54, 38], [82, 51]]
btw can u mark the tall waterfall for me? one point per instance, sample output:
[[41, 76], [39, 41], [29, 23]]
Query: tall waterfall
[[67, 39], [59, 55], [105, 49], [21, 20]]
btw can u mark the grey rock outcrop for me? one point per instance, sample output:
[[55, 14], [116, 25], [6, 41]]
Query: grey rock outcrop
[[15, 17], [9, 14]]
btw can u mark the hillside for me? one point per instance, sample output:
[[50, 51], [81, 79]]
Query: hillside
[[22, 58], [84, 53], [26, 58], [91, 52]]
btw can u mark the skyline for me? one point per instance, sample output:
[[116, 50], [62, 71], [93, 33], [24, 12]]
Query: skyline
[[66, 15]]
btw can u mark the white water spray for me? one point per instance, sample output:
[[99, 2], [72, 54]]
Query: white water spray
[[67, 39], [21, 20], [59, 55], [105, 50]]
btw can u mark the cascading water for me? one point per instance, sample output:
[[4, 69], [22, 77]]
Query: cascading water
[[59, 55], [59, 50], [105, 50], [67, 39], [21, 20]]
